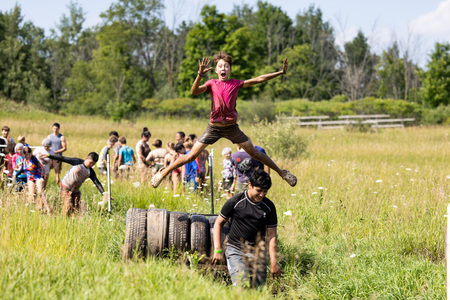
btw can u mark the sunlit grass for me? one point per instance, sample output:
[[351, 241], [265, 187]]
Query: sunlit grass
[[366, 220]]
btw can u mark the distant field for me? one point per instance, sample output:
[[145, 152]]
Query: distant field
[[367, 220]]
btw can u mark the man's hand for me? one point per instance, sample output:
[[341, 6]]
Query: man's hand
[[285, 65], [203, 66], [275, 270], [218, 258]]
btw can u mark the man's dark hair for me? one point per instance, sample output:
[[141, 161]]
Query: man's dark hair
[[5, 128], [260, 179], [182, 134], [93, 156], [146, 133], [56, 124], [223, 55], [114, 133], [192, 136], [178, 147]]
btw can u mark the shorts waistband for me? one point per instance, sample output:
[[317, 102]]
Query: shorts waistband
[[222, 124]]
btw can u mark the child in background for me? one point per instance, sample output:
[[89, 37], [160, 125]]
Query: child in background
[[21, 139], [35, 180], [227, 173], [45, 162], [103, 160], [126, 157], [177, 173], [190, 177], [9, 171], [17, 160]]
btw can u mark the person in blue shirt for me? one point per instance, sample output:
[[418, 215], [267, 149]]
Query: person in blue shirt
[[191, 177], [126, 157]]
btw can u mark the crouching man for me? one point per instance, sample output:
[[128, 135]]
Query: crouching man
[[251, 215], [69, 186]]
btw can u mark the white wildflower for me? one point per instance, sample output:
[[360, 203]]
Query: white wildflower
[[379, 180], [314, 193], [287, 213], [320, 188], [353, 255], [176, 195], [293, 195], [152, 206], [408, 169], [136, 184]]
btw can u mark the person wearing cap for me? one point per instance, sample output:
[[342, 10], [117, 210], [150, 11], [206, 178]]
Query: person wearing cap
[[45, 161], [157, 156], [228, 173]]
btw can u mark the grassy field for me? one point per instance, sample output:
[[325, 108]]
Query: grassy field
[[367, 220]]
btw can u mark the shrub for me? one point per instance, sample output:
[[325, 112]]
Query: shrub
[[262, 110], [438, 115], [279, 139]]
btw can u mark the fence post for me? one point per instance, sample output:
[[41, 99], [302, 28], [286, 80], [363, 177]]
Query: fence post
[[211, 176], [108, 172], [447, 252]]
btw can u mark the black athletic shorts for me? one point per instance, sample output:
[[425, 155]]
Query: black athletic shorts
[[213, 133]]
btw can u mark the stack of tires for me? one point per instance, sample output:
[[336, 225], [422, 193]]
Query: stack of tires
[[152, 231]]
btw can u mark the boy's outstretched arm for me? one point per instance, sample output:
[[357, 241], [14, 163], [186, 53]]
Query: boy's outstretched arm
[[202, 69], [266, 77]]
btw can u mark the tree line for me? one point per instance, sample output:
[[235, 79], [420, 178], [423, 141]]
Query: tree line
[[134, 60]]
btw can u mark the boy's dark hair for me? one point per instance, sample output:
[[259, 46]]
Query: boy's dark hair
[[178, 147], [56, 124], [223, 55], [188, 145], [192, 137], [122, 140], [5, 128], [182, 134], [260, 179], [93, 156], [157, 143], [10, 148], [114, 133], [27, 150], [146, 133]]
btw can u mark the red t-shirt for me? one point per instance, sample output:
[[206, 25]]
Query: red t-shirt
[[223, 99]]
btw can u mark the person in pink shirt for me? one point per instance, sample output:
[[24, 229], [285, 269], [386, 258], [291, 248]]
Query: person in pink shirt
[[223, 92]]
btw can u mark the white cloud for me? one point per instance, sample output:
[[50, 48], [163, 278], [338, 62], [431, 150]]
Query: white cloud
[[435, 23]]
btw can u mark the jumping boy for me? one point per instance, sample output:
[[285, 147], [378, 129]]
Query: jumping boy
[[223, 92]]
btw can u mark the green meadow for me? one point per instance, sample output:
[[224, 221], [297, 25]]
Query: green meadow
[[365, 221]]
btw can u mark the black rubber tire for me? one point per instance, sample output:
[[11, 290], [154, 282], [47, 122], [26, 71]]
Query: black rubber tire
[[200, 235], [223, 237], [178, 231], [157, 230], [135, 233]]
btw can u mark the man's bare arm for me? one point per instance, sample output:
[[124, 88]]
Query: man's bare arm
[[63, 145], [266, 77], [275, 268], [202, 70], [218, 256]]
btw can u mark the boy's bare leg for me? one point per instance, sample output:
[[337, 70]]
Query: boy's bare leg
[[180, 161], [266, 160], [185, 159]]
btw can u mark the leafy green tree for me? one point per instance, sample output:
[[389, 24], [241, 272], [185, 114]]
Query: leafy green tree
[[295, 84], [390, 70], [358, 68], [204, 40], [436, 79], [310, 28]]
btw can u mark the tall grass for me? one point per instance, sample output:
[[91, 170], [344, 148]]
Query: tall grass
[[366, 220]]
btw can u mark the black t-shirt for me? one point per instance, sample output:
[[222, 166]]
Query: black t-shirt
[[248, 218]]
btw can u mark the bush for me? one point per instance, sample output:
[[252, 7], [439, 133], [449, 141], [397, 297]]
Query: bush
[[438, 115], [262, 110], [280, 139]]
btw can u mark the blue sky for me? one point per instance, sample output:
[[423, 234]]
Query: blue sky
[[415, 24]]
